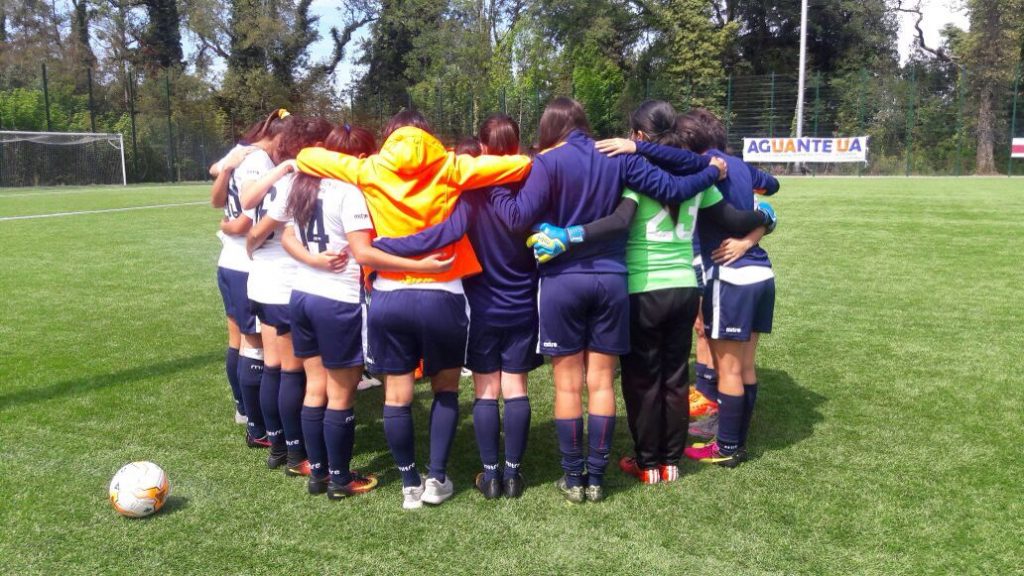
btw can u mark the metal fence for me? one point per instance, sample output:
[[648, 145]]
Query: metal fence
[[920, 122]]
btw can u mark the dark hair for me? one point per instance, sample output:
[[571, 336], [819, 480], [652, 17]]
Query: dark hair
[[500, 133], [693, 133], [713, 127], [351, 140], [560, 118], [657, 120], [407, 118], [269, 127], [469, 146], [300, 132]]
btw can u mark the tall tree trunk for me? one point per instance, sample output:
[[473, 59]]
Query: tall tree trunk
[[985, 158]]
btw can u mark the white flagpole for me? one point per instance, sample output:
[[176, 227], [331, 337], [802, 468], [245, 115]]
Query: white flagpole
[[802, 74]]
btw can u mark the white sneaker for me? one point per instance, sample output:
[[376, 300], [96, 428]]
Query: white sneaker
[[412, 496], [436, 492], [240, 418], [368, 382], [467, 373]]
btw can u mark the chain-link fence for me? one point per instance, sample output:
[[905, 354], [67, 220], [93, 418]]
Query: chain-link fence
[[923, 121]]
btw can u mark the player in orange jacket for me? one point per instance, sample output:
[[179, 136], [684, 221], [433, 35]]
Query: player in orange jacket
[[411, 184]]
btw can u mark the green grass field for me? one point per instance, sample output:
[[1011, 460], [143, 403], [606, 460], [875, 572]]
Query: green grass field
[[887, 438]]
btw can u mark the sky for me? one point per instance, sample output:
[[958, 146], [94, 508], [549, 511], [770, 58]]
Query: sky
[[937, 13]]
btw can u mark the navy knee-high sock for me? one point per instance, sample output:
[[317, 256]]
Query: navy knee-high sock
[[730, 422], [269, 389], [707, 382], [517, 431], [487, 426], [231, 368], [444, 420], [749, 399], [250, 374], [600, 431], [313, 435], [401, 439], [289, 402], [340, 437], [570, 444]]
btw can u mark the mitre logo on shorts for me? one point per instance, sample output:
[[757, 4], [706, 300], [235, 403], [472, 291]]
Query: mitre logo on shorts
[[730, 330], [549, 344]]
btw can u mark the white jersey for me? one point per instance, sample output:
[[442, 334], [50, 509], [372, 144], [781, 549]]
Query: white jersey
[[232, 252], [340, 209], [272, 270]]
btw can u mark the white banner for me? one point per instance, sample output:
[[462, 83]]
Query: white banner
[[1017, 148], [853, 149]]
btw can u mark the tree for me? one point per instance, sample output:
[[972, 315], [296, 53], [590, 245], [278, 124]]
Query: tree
[[161, 42]]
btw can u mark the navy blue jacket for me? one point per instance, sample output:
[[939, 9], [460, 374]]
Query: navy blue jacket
[[505, 294], [574, 184]]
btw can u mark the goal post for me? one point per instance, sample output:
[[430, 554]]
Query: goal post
[[61, 158]]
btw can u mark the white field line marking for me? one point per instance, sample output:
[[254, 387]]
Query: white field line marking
[[104, 211], [103, 190]]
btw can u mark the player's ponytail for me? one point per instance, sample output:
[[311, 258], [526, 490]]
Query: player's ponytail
[[351, 140], [268, 127], [656, 120]]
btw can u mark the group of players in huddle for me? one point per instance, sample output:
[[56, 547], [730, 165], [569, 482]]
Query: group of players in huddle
[[340, 257]]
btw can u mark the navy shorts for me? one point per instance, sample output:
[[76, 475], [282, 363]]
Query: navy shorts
[[232, 284], [404, 326], [327, 328], [510, 349], [734, 311], [276, 315], [583, 312]]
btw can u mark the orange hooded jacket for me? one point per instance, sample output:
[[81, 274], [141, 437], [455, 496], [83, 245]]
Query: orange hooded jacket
[[412, 184]]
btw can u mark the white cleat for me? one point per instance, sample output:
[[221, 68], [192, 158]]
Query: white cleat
[[412, 496], [368, 382], [240, 418], [436, 492]]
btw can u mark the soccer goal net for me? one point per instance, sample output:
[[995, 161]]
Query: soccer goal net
[[61, 158]]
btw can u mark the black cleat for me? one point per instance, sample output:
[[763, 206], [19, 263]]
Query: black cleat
[[360, 484], [491, 489], [317, 486], [278, 457], [513, 486], [254, 442]]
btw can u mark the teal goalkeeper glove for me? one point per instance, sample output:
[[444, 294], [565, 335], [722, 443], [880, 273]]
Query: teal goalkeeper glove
[[770, 219], [551, 241]]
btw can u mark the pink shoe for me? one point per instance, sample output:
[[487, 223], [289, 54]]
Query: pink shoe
[[709, 454]]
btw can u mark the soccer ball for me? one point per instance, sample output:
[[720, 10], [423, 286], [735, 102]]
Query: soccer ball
[[139, 489]]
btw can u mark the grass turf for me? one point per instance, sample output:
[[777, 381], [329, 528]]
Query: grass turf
[[886, 441]]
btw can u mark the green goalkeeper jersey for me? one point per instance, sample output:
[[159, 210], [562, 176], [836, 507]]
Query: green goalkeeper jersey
[[659, 252]]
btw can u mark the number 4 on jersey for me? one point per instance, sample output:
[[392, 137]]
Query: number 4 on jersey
[[315, 232]]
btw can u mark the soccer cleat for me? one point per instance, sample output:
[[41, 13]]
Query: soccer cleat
[[466, 373], [254, 442], [278, 457], [700, 405], [708, 454], [645, 475], [513, 486], [574, 494], [300, 468], [437, 492], [240, 418], [317, 486], [704, 428], [491, 489], [367, 382], [360, 484], [668, 472], [594, 492], [412, 496]]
